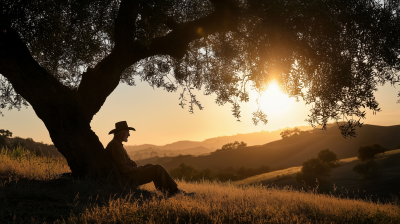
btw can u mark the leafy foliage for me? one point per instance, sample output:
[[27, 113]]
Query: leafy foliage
[[290, 132], [328, 157], [3, 142], [369, 152], [5, 133], [332, 53]]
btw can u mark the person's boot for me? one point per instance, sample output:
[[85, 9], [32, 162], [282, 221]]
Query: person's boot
[[178, 191]]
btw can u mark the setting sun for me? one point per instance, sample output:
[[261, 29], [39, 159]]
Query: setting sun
[[273, 101]]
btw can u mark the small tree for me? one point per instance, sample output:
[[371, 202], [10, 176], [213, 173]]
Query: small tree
[[5, 133], [368, 167], [314, 170], [369, 152], [328, 157], [232, 145], [290, 132], [3, 142]]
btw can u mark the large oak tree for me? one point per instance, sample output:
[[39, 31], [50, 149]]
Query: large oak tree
[[65, 57]]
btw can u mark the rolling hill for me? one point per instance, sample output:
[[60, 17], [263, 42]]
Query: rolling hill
[[344, 178], [294, 150]]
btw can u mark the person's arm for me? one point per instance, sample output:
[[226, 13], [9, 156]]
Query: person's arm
[[120, 160], [132, 163]]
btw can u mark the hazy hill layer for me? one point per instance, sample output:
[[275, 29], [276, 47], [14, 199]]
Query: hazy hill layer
[[294, 150], [255, 138]]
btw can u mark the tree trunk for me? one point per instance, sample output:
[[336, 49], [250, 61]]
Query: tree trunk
[[72, 135], [60, 108]]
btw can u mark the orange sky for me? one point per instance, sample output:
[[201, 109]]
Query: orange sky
[[158, 118]]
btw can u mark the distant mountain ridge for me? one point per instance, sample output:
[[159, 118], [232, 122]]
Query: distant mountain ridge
[[294, 150], [255, 138]]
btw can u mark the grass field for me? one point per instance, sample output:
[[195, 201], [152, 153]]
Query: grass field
[[30, 193]]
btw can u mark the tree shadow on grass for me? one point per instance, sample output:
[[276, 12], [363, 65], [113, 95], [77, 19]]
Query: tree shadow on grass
[[36, 201]]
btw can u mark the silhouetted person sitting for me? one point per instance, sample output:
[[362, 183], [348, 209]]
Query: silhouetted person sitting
[[129, 169]]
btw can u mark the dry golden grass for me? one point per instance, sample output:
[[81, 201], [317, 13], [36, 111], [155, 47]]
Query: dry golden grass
[[214, 202], [25, 165], [269, 177]]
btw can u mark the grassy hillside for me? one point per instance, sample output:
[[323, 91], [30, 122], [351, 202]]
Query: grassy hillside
[[46, 149], [344, 178], [294, 150], [29, 196]]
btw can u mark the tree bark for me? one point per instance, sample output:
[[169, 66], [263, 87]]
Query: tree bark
[[61, 109]]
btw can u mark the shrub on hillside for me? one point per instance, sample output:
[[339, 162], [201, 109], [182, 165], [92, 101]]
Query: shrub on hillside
[[18, 143], [6, 133], [314, 172], [328, 157], [3, 138], [368, 169], [3, 142], [369, 152]]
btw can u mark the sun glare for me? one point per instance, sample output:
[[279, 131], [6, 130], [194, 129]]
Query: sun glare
[[273, 101]]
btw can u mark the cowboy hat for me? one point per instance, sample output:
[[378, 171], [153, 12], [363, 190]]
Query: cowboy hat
[[119, 126]]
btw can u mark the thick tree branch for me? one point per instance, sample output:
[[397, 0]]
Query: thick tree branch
[[99, 82], [170, 23], [175, 44], [28, 78]]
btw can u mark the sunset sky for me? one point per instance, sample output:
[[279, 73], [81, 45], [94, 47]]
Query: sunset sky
[[158, 118]]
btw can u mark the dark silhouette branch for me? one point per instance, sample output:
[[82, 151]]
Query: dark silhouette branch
[[99, 82], [175, 43], [28, 78]]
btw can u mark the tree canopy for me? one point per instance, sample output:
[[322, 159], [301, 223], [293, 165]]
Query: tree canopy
[[370, 151], [332, 54], [65, 58]]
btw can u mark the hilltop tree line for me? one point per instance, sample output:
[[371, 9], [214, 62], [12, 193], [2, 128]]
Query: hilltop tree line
[[292, 132], [18, 143]]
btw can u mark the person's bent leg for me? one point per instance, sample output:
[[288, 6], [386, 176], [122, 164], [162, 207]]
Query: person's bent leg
[[164, 180], [156, 173]]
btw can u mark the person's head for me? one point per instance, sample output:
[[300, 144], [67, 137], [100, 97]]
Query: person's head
[[121, 131], [122, 135]]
